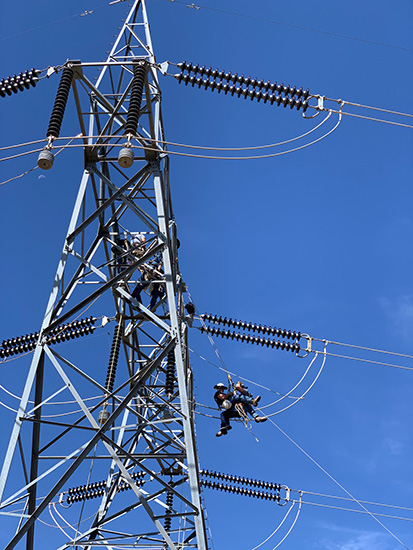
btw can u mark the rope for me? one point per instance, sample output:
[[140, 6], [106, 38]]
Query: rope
[[211, 341], [245, 419], [339, 485], [296, 399]]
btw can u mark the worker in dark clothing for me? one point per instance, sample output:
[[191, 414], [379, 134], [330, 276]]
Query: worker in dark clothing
[[227, 400], [150, 271]]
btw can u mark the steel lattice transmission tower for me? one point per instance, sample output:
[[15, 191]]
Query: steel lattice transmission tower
[[104, 438]]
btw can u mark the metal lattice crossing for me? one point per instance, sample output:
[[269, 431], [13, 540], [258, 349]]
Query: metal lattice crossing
[[124, 416]]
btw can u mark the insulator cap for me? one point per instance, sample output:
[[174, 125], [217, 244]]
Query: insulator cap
[[45, 159], [103, 416], [126, 157]]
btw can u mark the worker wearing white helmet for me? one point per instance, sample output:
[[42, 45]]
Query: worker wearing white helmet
[[227, 399]]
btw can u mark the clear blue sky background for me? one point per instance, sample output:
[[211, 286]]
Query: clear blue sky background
[[318, 240]]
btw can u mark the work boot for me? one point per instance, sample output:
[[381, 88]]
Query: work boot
[[223, 431], [256, 400], [260, 418]]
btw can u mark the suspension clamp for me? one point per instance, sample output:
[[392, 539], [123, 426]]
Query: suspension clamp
[[308, 349], [320, 104]]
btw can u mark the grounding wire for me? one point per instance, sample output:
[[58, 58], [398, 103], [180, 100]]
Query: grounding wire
[[338, 484], [291, 25]]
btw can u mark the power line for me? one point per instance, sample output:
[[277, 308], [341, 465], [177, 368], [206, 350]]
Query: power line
[[291, 25], [402, 367], [341, 508], [338, 484], [191, 155], [365, 348], [64, 19], [404, 508]]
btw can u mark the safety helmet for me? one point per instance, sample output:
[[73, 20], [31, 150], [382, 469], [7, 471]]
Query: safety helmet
[[138, 239], [219, 386]]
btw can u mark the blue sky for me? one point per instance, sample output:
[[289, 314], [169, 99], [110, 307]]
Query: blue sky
[[317, 241]]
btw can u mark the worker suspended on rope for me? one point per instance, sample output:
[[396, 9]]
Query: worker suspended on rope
[[236, 403]]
